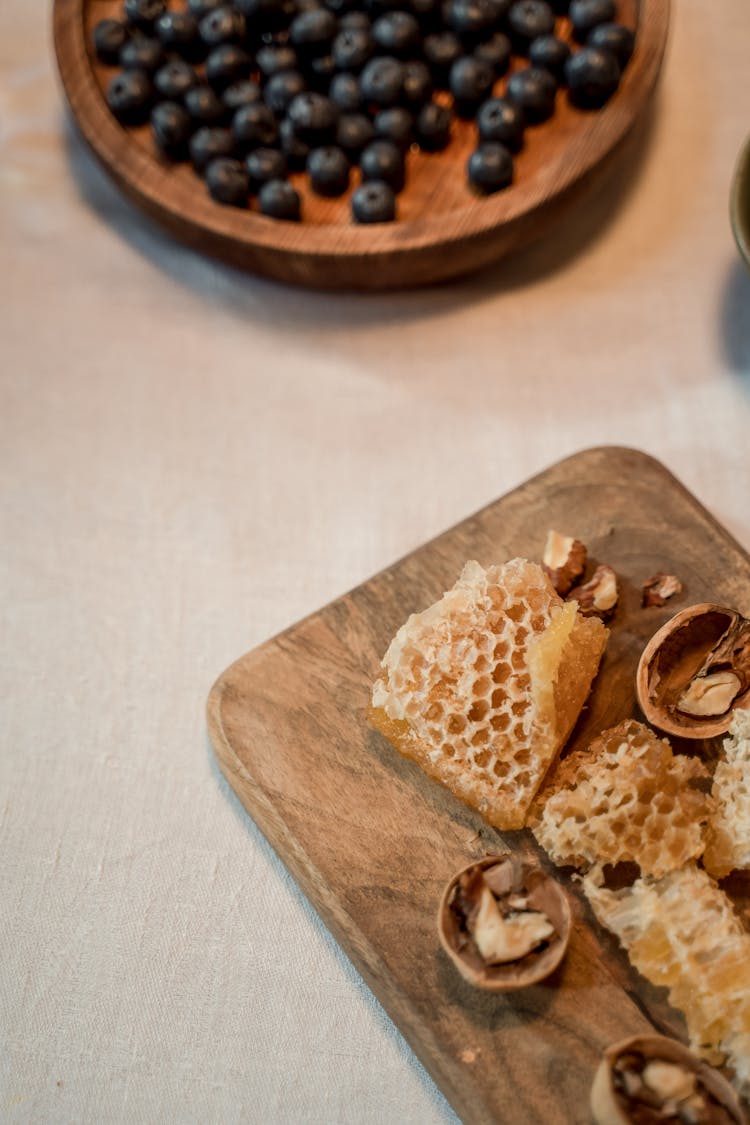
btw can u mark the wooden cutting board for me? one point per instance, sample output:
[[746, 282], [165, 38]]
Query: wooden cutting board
[[371, 841]]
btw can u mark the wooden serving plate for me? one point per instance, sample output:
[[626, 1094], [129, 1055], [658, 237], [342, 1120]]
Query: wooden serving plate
[[443, 229], [372, 841]]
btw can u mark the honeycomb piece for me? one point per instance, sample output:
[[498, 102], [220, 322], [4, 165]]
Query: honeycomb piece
[[728, 835], [483, 688], [681, 932], [626, 798]]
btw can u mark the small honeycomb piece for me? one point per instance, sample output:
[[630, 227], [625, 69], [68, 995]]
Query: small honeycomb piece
[[483, 688], [728, 835], [626, 798], [682, 932]]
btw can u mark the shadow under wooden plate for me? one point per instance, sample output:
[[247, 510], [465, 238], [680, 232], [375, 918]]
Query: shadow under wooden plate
[[372, 841], [443, 229]]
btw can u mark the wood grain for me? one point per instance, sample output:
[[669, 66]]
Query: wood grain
[[443, 229], [372, 842]]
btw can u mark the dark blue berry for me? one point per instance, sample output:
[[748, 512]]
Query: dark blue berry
[[490, 168], [613, 37], [142, 53], [311, 33], [533, 91], [586, 14], [471, 81], [328, 169], [227, 64], [205, 106], [344, 92], [354, 19], [395, 124], [396, 33], [178, 31], [275, 59], [228, 182], [471, 20], [441, 50], [496, 52], [550, 53], [374, 202], [592, 75], [281, 89], [174, 79], [314, 118], [254, 126], [527, 20], [382, 160], [382, 81], [171, 126], [417, 86], [501, 122], [354, 133], [294, 150], [209, 143], [221, 25], [351, 49], [279, 200], [130, 96], [433, 127], [264, 164], [110, 36], [245, 92], [143, 14], [201, 8]]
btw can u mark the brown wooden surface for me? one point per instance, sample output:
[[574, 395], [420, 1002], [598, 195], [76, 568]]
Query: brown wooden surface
[[372, 842], [443, 229]]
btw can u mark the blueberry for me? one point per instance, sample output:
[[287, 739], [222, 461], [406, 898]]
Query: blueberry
[[245, 92], [490, 168], [227, 64], [110, 36], [281, 89], [592, 75], [210, 142], [294, 150], [274, 59], [178, 31], [501, 122], [417, 86], [396, 33], [142, 53], [586, 14], [228, 182], [174, 79], [354, 133], [201, 8], [613, 37], [311, 33], [395, 124], [374, 202], [472, 20], [314, 118], [471, 81], [221, 25], [441, 51], [527, 20], [354, 19], [382, 81], [533, 91], [264, 164], [254, 126], [205, 106], [143, 14], [171, 126], [279, 200], [382, 160], [344, 92], [129, 96], [351, 49], [496, 52], [433, 127], [550, 53], [328, 169]]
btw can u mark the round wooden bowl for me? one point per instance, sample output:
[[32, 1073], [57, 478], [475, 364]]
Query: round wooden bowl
[[443, 229]]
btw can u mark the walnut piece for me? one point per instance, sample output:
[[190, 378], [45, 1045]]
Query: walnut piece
[[564, 560], [669, 1081], [710, 695], [599, 595], [659, 588], [500, 939]]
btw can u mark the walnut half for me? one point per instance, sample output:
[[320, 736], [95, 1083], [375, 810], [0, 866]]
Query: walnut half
[[599, 595]]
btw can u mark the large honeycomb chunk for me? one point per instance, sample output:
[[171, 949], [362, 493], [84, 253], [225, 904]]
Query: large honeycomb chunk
[[728, 837], [483, 688], [682, 932], [626, 798]]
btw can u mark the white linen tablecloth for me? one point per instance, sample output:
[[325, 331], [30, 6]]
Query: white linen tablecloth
[[191, 459]]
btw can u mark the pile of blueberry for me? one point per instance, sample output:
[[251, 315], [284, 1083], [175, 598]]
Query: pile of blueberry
[[251, 90]]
